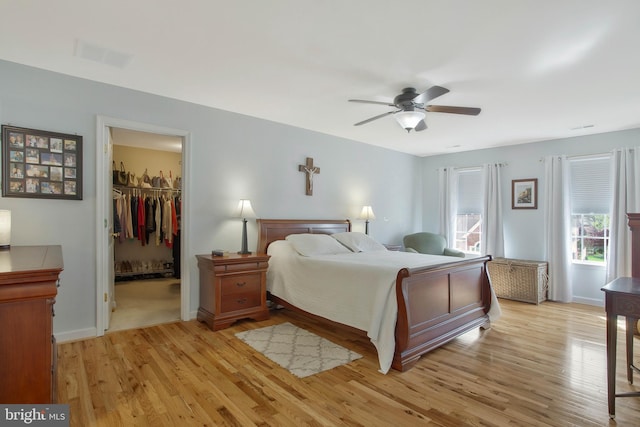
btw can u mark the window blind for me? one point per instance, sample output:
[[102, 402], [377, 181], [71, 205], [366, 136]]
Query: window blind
[[590, 186], [469, 191]]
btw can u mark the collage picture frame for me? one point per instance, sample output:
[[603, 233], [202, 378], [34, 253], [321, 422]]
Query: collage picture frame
[[41, 164]]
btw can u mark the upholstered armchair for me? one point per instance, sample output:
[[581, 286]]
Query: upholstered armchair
[[429, 243]]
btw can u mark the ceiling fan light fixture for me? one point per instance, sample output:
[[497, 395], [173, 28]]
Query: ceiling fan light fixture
[[409, 119]]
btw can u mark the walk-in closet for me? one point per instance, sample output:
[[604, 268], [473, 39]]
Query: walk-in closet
[[147, 202]]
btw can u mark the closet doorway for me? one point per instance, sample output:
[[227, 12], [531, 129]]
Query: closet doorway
[[147, 194]]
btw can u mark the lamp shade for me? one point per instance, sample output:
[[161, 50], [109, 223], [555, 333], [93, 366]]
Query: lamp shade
[[5, 228], [367, 213], [409, 119], [245, 210]]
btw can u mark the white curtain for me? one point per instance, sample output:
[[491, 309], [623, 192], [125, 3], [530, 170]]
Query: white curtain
[[493, 237], [447, 198], [557, 224], [625, 172]]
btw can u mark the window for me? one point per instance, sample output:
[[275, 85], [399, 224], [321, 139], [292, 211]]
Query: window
[[590, 210], [469, 210]]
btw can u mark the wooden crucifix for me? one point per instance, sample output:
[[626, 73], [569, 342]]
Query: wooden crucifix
[[309, 171]]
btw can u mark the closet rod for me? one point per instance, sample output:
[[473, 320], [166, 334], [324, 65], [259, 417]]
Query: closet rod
[[124, 187]]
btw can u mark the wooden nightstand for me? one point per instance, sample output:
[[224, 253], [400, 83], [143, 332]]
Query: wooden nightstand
[[232, 287]]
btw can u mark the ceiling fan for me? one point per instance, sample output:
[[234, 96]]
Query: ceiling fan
[[410, 107]]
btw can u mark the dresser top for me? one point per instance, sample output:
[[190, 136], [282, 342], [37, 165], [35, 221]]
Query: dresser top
[[31, 258]]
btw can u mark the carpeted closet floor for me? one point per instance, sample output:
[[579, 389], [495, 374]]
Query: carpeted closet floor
[[145, 302]]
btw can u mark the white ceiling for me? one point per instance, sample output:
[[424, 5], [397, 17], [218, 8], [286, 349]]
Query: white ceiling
[[538, 69]]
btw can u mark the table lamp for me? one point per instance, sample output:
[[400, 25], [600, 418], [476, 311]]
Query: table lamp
[[245, 211], [367, 214]]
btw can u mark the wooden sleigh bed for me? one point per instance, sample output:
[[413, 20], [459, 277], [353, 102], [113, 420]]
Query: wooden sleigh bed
[[435, 304]]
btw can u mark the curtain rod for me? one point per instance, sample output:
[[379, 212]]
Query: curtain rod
[[470, 168], [582, 156]]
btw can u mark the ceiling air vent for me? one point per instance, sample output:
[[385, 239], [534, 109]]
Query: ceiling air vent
[[96, 53]]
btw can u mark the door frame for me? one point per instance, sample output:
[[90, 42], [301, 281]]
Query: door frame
[[104, 205]]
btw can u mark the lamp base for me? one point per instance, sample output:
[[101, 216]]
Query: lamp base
[[244, 250]]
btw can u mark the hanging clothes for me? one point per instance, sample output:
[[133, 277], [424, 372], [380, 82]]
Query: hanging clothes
[[167, 223], [141, 218], [177, 202], [128, 219], [117, 209], [158, 220], [176, 256], [134, 215], [119, 219], [149, 220], [174, 220]]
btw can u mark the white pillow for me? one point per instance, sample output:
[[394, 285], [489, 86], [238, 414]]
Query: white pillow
[[316, 244], [358, 242], [281, 248]]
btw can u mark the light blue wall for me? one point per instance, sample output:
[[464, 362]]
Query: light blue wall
[[235, 156], [232, 157], [523, 229]]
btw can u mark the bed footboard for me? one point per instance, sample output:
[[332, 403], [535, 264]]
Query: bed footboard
[[438, 304]]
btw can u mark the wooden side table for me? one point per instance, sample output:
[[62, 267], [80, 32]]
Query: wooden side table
[[622, 297], [232, 287]]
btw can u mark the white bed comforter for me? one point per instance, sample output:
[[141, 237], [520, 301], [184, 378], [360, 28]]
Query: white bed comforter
[[356, 289]]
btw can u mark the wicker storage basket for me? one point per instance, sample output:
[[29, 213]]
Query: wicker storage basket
[[519, 280]]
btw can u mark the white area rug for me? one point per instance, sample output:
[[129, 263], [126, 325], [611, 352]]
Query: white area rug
[[296, 349]]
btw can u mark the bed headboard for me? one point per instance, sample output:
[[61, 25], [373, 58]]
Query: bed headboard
[[270, 230]]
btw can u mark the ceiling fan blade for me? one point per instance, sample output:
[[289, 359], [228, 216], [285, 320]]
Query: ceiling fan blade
[[420, 126], [376, 117], [431, 93], [469, 111], [372, 102]]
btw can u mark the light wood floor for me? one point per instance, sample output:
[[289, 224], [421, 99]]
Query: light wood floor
[[537, 366]]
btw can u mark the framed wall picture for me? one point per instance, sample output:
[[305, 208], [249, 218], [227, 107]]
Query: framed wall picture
[[41, 164], [524, 193]]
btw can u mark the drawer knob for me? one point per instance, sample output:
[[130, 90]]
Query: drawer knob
[[242, 300], [241, 284]]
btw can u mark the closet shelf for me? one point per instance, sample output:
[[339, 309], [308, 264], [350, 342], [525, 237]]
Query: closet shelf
[[126, 187]]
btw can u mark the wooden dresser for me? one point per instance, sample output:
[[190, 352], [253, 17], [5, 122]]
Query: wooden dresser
[[232, 287], [29, 278]]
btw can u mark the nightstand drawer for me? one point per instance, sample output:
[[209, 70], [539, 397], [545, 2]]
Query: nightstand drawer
[[241, 301], [245, 283], [238, 267]]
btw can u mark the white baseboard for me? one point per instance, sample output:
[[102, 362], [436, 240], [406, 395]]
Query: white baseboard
[[76, 335], [82, 334], [589, 301]]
